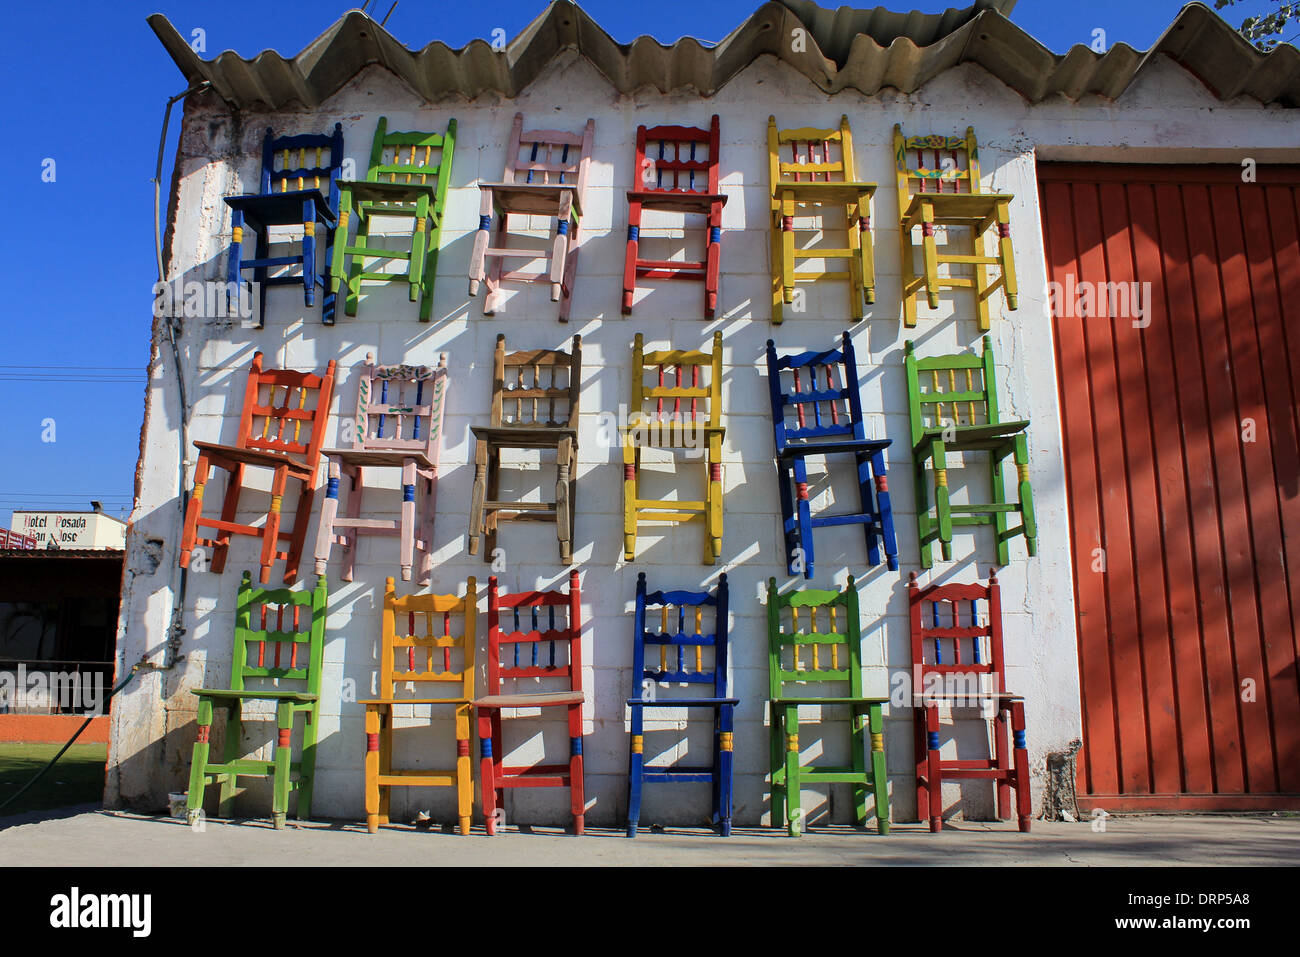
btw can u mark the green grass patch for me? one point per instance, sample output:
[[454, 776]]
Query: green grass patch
[[78, 777]]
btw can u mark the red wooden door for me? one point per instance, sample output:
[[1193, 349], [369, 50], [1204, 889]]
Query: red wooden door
[[1182, 460]]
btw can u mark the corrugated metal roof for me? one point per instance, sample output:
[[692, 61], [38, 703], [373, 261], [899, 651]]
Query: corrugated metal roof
[[865, 50]]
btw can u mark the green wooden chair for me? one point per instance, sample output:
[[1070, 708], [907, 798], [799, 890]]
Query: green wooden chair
[[953, 403], [292, 623], [799, 654], [404, 180]]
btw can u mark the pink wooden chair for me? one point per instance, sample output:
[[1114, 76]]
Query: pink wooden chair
[[398, 424], [546, 175]]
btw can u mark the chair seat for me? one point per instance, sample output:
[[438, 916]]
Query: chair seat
[[683, 702], [812, 700], [255, 457], [541, 699], [955, 207], [834, 445], [280, 209], [677, 201], [393, 701], [542, 199], [524, 436], [395, 458], [968, 435], [824, 192], [305, 696]]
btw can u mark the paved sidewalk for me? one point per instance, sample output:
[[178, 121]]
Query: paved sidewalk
[[89, 837]]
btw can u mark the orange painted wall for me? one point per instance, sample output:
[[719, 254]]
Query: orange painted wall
[[52, 727]]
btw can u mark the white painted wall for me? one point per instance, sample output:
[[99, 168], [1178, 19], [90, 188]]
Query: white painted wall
[[1166, 113]]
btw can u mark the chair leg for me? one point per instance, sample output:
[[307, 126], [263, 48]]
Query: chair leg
[[713, 261], [328, 511], [309, 252], [805, 514], [1006, 258], [1024, 808], [570, 276], [858, 724], [943, 510], [477, 256], [921, 759], [374, 728], [776, 753], [1002, 785], [925, 525], [464, 778], [631, 254], [339, 251], [911, 283], [884, 508], [406, 532], [863, 464], [713, 520], [199, 761], [794, 807], [787, 248], [775, 248], [879, 769], [328, 305], [419, 236], [635, 770], [1026, 493], [478, 495], [430, 277], [194, 509], [563, 507], [263, 251], [486, 770], [631, 464], [857, 290], [298, 538], [934, 767], [356, 493], [357, 263], [307, 765], [724, 761], [492, 301], [789, 524], [577, 789], [386, 764], [560, 244], [271, 530], [283, 758], [866, 249], [429, 503], [930, 255]]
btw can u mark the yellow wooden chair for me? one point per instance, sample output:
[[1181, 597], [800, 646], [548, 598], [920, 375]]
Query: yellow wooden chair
[[694, 422], [939, 185], [418, 647], [812, 178]]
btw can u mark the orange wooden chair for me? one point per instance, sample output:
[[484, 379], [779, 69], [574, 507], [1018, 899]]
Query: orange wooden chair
[[280, 405]]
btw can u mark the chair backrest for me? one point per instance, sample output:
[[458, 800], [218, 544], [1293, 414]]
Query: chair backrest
[[415, 158], [299, 162], [814, 636], [536, 388], [677, 159], [534, 636], [292, 624], [286, 411], [400, 407], [824, 384], [934, 163], [954, 390], [547, 157], [421, 647], [681, 620], [810, 155], [682, 397], [945, 616]]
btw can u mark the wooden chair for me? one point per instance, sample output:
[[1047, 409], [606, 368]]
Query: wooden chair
[[398, 424], [415, 628], [560, 662], [976, 679], [403, 181], [964, 385], [811, 179], [825, 383], [800, 654], [677, 667], [935, 189], [293, 624], [295, 190], [534, 406], [676, 171], [550, 180], [270, 437], [651, 425]]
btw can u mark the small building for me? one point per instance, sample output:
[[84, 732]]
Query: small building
[[1155, 624], [70, 529]]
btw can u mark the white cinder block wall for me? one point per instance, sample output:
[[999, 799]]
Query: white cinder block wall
[[1165, 112]]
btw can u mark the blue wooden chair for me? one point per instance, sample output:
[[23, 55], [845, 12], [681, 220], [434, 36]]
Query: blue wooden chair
[[298, 188], [821, 414], [676, 665]]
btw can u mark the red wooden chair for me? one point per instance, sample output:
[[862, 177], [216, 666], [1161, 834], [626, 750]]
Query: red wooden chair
[[398, 425], [676, 171], [560, 660], [279, 406], [942, 617]]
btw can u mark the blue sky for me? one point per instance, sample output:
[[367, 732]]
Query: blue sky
[[78, 254]]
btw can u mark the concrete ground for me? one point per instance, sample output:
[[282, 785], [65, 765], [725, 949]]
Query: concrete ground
[[79, 837]]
